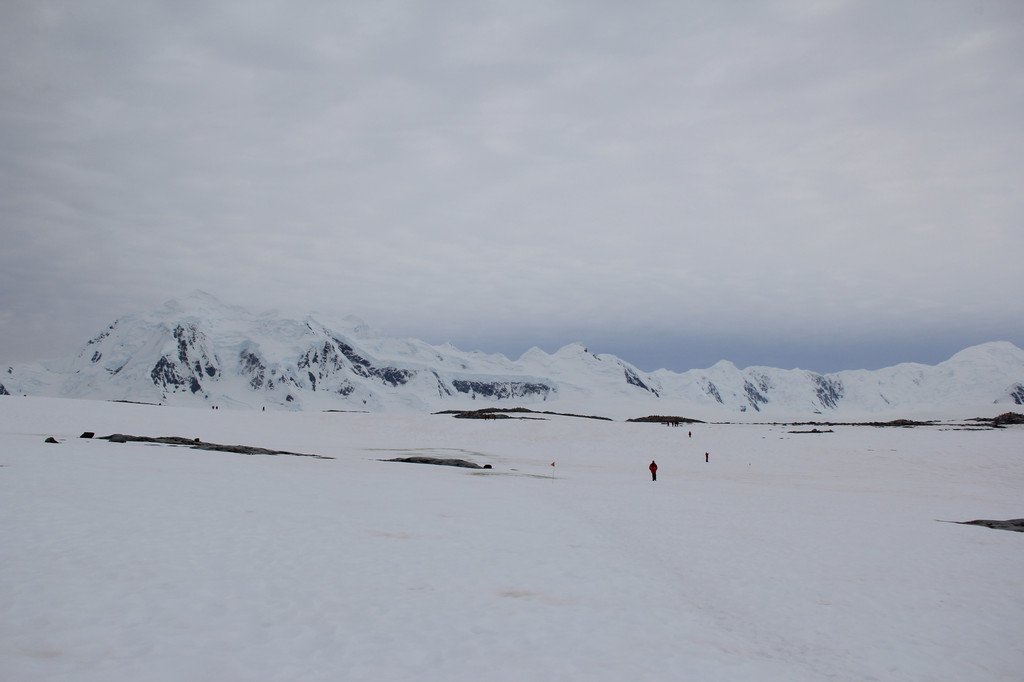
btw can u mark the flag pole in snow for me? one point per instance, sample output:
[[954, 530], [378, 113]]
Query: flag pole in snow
[[552, 473]]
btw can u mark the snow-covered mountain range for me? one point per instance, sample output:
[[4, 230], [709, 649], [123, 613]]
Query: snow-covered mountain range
[[199, 351]]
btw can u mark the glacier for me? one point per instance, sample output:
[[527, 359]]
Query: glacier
[[198, 351]]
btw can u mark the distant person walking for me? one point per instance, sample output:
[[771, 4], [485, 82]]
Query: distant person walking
[[705, 456], [654, 470]]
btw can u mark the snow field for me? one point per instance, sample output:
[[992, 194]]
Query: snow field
[[786, 557]]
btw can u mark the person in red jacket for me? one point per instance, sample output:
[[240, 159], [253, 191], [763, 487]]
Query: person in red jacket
[[654, 470]]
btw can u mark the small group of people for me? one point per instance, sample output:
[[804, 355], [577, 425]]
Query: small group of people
[[654, 466]]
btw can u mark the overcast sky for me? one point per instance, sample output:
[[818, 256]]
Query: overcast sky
[[827, 185]]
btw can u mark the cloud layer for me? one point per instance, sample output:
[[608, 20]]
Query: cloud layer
[[671, 182]]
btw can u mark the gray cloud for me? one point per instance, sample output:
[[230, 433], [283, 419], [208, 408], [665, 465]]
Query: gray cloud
[[752, 181]]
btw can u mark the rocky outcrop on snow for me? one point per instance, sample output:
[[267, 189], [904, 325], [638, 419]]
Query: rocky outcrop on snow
[[197, 444], [1010, 524], [1015, 394], [440, 461]]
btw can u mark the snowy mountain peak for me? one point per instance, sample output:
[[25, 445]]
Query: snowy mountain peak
[[200, 304], [723, 367], [573, 350], [997, 352], [197, 350], [534, 353]]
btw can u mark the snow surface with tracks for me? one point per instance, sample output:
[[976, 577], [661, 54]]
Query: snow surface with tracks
[[784, 557]]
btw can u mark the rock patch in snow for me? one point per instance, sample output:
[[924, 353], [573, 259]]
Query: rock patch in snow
[[197, 444], [662, 419], [507, 412], [1011, 524], [440, 461]]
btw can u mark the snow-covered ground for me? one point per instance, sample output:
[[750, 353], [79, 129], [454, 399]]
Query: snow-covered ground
[[784, 557]]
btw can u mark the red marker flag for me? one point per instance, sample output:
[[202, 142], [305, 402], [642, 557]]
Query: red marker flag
[[552, 464]]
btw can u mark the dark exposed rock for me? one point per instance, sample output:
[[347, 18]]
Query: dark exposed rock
[[754, 397], [197, 444], [103, 334], [440, 461], [253, 367], [329, 359], [712, 391], [87, 434], [355, 358], [502, 390], [481, 414], [634, 379], [325, 358], [191, 338], [393, 375], [51, 439], [1012, 524], [185, 371], [900, 422], [442, 389], [829, 391], [662, 419], [506, 412], [165, 373], [905, 423], [764, 383], [1008, 418], [193, 362]]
